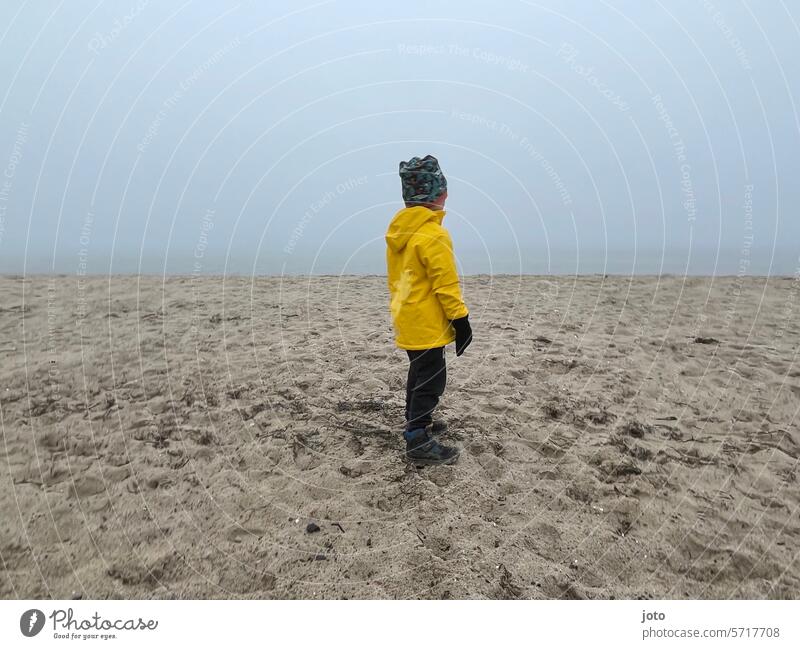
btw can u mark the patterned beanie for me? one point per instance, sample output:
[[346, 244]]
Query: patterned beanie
[[422, 180]]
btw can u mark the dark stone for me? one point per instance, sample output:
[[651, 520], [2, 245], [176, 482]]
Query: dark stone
[[635, 429]]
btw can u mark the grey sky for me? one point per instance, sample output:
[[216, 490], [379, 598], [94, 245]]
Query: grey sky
[[583, 137]]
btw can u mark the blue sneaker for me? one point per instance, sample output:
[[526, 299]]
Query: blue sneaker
[[423, 450]]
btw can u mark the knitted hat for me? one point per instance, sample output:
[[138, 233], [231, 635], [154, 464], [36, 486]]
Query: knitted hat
[[422, 180]]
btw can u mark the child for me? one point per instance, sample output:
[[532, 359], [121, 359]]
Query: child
[[428, 311]]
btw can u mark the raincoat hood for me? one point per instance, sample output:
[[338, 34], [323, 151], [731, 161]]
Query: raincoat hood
[[407, 221]]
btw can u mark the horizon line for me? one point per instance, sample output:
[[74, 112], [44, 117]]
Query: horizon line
[[795, 275]]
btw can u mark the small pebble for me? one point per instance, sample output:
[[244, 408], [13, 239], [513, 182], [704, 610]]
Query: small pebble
[[311, 528], [76, 595]]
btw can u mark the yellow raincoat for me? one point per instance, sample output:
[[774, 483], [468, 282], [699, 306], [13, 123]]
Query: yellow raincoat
[[423, 281]]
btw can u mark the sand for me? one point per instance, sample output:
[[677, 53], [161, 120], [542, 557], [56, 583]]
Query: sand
[[625, 438]]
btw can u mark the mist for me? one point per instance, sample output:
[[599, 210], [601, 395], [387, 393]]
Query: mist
[[257, 138]]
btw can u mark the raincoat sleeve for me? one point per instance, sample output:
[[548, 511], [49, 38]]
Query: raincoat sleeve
[[437, 256]]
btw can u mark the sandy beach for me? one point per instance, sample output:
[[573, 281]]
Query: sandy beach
[[621, 438]]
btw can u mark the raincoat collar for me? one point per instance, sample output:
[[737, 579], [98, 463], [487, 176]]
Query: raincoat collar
[[407, 221]]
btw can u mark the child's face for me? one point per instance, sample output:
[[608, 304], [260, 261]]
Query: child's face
[[439, 202]]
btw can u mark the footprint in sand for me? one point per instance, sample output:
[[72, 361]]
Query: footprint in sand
[[304, 458], [86, 486]]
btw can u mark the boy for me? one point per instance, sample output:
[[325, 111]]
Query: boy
[[428, 311]]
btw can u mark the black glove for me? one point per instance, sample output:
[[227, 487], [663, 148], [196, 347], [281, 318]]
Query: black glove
[[463, 334]]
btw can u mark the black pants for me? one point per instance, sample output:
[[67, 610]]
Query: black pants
[[427, 376]]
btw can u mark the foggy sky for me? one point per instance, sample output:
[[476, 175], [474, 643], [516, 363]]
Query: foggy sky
[[577, 137]]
